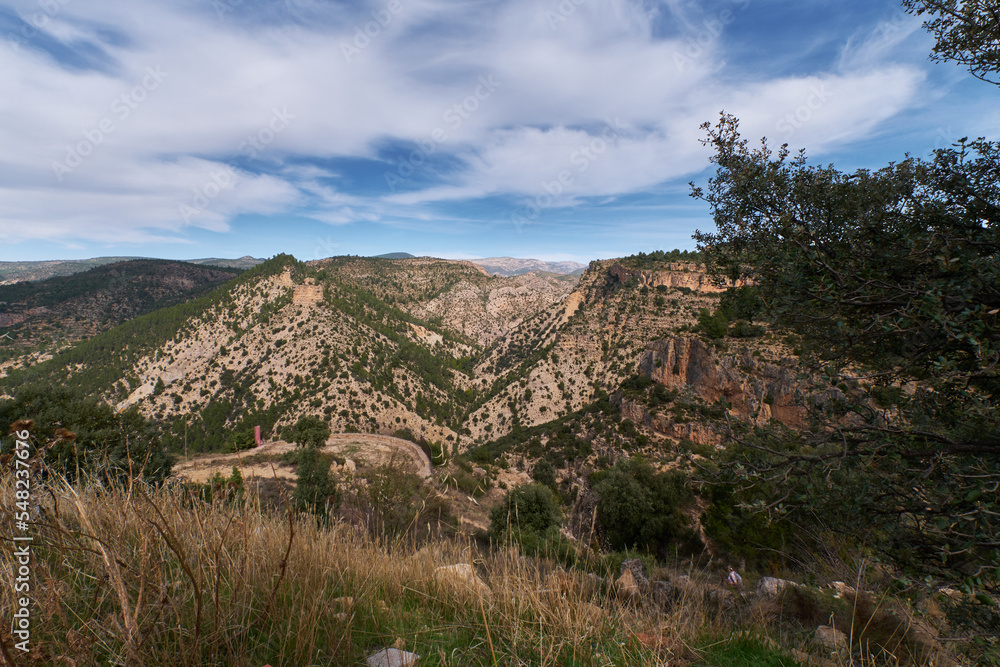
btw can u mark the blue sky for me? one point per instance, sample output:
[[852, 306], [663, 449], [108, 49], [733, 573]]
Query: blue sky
[[557, 129]]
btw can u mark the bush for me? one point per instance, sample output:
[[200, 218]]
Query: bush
[[80, 434], [544, 473], [713, 325], [527, 508], [315, 490], [309, 430], [640, 507]]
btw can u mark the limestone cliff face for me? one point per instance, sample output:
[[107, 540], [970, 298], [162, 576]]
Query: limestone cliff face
[[681, 274], [699, 432], [757, 390]]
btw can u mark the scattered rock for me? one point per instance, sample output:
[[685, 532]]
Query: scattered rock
[[807, 659], [638, 571], [842, 589], [462, 578], [627, 584], [392, 657], [350, 466], [722, 598], [769, 587], [830, 637]]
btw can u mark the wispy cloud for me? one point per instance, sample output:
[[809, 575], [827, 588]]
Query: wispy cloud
[[586, 97]]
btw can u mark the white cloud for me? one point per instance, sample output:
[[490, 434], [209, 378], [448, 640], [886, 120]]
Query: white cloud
[[560, 84]]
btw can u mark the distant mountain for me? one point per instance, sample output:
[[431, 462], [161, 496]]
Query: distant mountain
[[244, 262], [510, 266], [64, 309], [395, 255], [14, 272]]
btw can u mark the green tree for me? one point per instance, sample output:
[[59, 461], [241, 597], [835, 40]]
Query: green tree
[[895, 272], [527, 508], [640, 507], [967, 32], [86, 435], [309, 430], [315, 489]]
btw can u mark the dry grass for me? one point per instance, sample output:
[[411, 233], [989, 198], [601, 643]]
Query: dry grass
[[141, 576], [137, 576]]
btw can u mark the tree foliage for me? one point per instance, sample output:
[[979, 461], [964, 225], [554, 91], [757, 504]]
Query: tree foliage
[[527, 508], [308, 430], [315, 489], [640, 507], [86, 436], [892, 279], [967, 32]]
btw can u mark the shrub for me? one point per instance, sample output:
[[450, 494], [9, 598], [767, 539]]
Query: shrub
[[528, 508], [315, 490], [309, 430], [640, 507], [713, 325]]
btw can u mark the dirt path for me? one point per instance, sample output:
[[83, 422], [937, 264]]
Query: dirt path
[[262, 461]]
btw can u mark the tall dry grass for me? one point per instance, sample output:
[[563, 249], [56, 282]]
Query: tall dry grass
[[131, 575], [142, 576]]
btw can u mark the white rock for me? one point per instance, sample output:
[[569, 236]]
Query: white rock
[[462, 578], [392, 657], [830, 637], [770, 587]]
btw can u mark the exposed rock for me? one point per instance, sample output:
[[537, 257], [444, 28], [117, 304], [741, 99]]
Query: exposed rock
[[757, 390], [638, 571], [627, 584], [830, 637], [769, 587], [392, 657], [462, 578], [721, 598], [842, 589]]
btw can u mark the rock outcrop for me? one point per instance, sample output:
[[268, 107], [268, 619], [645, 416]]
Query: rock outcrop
[[462, 579], [757, 390], [770, 587]]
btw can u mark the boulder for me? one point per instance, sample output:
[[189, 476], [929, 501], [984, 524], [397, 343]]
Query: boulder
[[842, 589], [392, 657], [769, 587], [627, 584], [462, 578], [830, 637], [638, 571]]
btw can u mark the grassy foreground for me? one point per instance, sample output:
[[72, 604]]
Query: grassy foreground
[[141, 576]]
